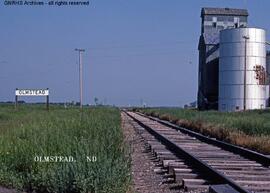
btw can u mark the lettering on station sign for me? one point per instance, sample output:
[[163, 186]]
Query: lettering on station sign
[[32, 92]]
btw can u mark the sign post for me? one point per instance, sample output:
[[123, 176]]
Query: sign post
[[16, 100], [47, 100], [32, 92]]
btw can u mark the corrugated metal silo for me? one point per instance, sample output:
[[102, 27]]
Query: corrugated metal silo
[[240, 49]]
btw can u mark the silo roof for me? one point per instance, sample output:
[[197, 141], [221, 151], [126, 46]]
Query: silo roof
[[223, 11]]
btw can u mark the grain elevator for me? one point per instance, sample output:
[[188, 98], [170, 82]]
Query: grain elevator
[[232, 62], [213, 20]]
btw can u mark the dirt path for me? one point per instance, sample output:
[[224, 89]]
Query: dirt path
[[6, 190]]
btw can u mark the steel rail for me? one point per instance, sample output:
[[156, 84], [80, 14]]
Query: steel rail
[[216, 176], [249, 154]]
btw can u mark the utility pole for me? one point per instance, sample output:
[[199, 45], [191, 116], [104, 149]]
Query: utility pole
[[245, 71], [80, 75]]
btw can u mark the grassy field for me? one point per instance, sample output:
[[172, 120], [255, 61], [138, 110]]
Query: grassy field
[[249, 129], [32, 131]]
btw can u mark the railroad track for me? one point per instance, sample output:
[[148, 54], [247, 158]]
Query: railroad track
[[196, 162]]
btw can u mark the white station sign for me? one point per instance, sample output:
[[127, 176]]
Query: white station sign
[[32, 92]]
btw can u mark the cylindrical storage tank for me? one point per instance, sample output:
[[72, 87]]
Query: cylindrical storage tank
[[240, 49]]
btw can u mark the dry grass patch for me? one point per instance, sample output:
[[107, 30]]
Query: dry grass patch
[[249, 129]]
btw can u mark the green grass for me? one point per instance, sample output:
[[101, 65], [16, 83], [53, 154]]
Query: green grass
[[32, 131]]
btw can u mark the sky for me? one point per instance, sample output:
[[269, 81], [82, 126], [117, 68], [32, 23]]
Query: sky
[[137, 51]]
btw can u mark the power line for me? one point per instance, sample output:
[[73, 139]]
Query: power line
[[143, 45]]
